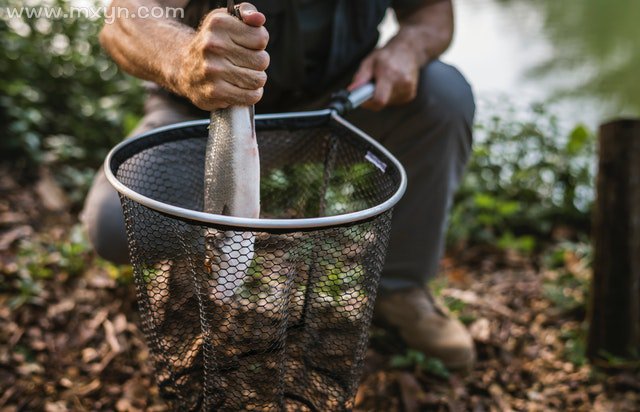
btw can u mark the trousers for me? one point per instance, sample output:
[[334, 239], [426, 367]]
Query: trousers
[[431, 136]]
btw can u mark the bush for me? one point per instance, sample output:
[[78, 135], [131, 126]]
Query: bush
[[61, 98], [526, 177]]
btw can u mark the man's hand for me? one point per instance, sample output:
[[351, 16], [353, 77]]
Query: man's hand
[[425, 33], [224, 63], [396, 71]]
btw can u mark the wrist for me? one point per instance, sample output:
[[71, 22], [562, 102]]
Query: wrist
[[172, 64], [409, 39], [405, 47], [172, 73]]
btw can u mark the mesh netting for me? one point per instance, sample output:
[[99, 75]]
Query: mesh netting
[[280, 322]]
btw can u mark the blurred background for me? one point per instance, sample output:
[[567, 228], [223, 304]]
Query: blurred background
[[546, 74]]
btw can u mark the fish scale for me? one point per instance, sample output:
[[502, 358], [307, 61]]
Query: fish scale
[[232, 166], [231, 187]]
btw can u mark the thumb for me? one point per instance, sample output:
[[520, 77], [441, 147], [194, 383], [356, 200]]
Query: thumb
[[251, 16], [364, 74]]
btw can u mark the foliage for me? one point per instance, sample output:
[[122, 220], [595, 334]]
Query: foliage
[[566, 286], [568, 276], [593, 42], [62, 100], [418, 360], [525, 178], [575, 345], [298, 189]]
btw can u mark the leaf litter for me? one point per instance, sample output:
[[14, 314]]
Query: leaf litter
[[70, 335]]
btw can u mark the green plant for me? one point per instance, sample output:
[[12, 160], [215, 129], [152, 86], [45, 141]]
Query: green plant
[[298, 189], [38, 260], [62, 100], [575, 345], [525, 178], [416, 359], [568, 276], [566, 286]]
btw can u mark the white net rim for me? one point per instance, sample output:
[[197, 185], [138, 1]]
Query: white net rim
[[247, 223]]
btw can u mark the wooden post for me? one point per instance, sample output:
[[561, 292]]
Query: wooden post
[[614, 313]]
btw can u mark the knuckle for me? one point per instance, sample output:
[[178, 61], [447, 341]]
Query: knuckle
[[262, 61], [261, 80], [255, 80], [263, 38], [212, 90], [254, 96], [212, 69], [215, 44], [219, 45], [406, 79], [216, 19]]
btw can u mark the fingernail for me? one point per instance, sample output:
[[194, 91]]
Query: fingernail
[[249, 12]]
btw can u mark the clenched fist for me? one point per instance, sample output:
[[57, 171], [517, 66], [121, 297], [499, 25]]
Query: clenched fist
[[396, 71], [224, 64]]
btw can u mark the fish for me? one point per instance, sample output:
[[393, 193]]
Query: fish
[[231, 188]]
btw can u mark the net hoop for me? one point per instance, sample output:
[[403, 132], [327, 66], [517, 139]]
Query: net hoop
[[273, 224]]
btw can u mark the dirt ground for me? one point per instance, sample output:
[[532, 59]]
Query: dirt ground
[[70, 336]]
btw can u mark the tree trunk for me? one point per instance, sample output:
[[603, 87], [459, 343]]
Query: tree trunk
[[615, 291]]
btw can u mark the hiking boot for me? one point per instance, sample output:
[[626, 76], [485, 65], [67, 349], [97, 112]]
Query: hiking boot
[[426, 327]]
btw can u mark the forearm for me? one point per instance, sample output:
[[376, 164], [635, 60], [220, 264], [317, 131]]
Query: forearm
[[147, 48], [427, 30]]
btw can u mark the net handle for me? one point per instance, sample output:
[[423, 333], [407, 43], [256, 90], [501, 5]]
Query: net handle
[[344, 101]]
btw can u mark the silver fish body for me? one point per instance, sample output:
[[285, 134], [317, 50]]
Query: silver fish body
[[232, 166], [231, 187]]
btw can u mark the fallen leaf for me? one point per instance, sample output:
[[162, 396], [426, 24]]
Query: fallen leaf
[[7, 238], [52, 196], [59, 406], [88, 388], [110, 336], [61, 307], [481, 330], [12, 218]]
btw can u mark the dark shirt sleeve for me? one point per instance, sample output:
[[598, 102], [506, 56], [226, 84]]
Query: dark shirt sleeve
[[411, 4]]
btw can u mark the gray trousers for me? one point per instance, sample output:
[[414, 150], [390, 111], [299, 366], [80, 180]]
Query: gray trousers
[[431, 136]]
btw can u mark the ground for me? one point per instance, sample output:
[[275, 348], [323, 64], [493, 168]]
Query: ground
[[70, 336]]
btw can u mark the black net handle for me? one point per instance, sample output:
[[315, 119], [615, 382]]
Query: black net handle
[[345, 101]]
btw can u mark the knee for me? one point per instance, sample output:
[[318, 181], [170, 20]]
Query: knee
[[445, 92], [104, 222]]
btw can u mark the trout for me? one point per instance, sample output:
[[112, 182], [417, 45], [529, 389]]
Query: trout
[[232, 188]]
